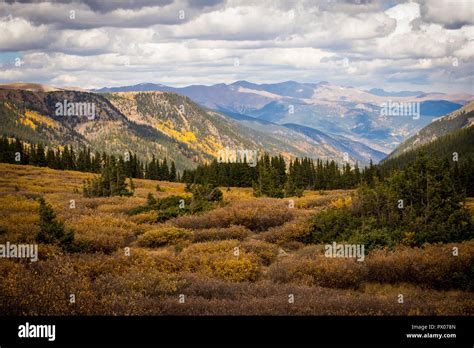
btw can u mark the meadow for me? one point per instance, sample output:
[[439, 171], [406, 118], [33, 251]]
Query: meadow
[[250, 256]]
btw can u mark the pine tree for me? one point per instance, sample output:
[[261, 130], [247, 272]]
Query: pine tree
[[52, 230], [40, 157], [164, 171], [172, 173], [290, 188]]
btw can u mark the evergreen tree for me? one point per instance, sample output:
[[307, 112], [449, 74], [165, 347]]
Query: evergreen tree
[[52, 230], [172, 172]]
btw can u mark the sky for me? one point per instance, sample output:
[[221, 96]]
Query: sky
[[423, 45]]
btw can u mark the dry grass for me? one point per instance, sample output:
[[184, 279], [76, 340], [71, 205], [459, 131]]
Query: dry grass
[[196, 256], [231, 232]]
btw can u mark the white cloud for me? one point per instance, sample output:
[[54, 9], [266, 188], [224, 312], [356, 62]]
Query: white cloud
[[122, 43], [17, 33]]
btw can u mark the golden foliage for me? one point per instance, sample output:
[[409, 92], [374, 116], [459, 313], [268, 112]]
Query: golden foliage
[[32, 119], [341, 202], [236, 270], [164, 236]]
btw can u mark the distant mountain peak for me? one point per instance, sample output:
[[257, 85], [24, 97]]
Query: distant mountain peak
[[382, 93], [240, 82], [150, 84]]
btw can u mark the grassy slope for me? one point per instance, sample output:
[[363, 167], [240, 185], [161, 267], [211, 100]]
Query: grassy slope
[[150, 280]]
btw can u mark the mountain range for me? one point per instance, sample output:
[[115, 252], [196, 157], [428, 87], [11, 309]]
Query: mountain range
[[190, 125], [333, 109]]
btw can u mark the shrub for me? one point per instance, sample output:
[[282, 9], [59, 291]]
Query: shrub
[[165, 208], [204, 198], [433, 266], [231, 232], [150, 199], [265, 252], [199, 256], [109, 232], [208, 193], [164, 236], [326, 272], [217, 259], [342, 202], [333, 225], [297, 230], [255, 215], [210, 248], [375, 238], [148, 217], [235, 269], [322, 201]]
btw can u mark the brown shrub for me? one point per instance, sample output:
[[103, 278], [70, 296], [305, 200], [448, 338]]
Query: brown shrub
[[432, 266], [292, 245], [313, 251], [109, 232], [322, 201], [265, 252], [148, 217], [165, 235], [231, 232], [296, 230], [326, 272], [149, 281], [256, 215], [137, 285], [209, 288]]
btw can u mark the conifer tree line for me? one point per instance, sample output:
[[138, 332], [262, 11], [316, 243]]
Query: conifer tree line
[[455, 149], [18, 152], [423, 203], [272, 177]]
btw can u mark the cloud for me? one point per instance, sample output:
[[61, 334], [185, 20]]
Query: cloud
[[18, 34], [451, 14], [182, 42], [92, 14]]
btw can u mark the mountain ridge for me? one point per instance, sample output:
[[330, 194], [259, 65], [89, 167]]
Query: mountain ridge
[[321, 106], [161, 123], [439, 127]]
